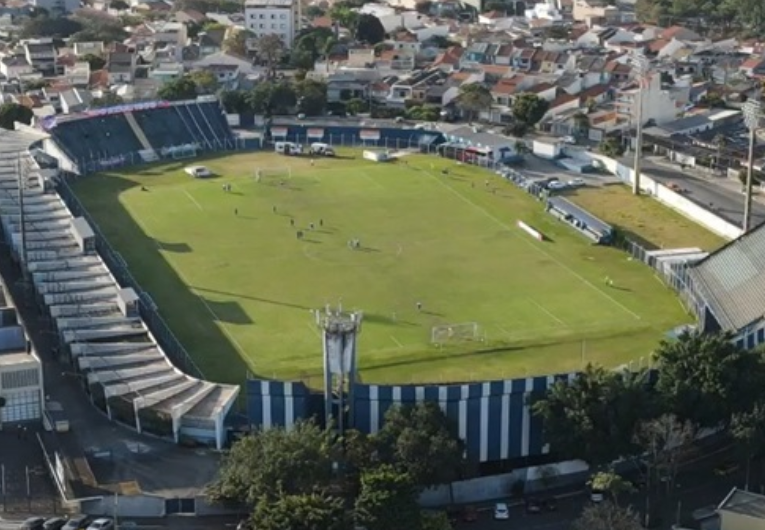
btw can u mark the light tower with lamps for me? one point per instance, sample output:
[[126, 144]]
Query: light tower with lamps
[[640, 69], [339, 333], [752, 114]]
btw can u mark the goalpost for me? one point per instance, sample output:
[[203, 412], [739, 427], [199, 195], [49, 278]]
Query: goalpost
[[456, 333], [268, 175]]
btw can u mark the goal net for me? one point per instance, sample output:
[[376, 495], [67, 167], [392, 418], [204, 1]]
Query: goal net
[[268, 175], [456, 333]]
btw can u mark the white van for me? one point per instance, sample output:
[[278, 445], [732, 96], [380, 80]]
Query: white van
[[322, 149], [198, 172], [288, 148]]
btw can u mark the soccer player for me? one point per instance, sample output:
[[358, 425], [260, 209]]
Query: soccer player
[[292, 222], [419, 306], [273, 209]]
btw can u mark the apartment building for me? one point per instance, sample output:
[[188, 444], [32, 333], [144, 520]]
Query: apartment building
[[273, 17]]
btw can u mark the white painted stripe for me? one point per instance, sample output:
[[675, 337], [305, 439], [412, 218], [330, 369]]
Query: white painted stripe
[[267, 412], [443, 394], [526, 422], [463, 419], [397, 394], [288, 389], [374, 409], [419, 394], [484, 441], [508, 386], [265, 388], [289, 411], [486, 389], [464, 391], [504, 438], [550, 381], [571, 377]]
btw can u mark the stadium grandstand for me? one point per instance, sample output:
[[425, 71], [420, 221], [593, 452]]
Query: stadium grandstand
[[728, 287], [97, 322], [132, 134]]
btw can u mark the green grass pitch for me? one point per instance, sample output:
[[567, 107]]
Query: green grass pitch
[[237, 287]]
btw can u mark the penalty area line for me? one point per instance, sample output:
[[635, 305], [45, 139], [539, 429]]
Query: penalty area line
[[547, 312], [398, 343], [192, 199]]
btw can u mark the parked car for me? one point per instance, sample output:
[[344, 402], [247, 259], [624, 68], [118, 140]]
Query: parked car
[[533, 506], [576, 183], [501, 512], [55, 523], [78, 522], [556, 185], [33, 523], [569, 140], [101, 524]]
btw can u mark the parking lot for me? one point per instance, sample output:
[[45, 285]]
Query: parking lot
[[25, 485]]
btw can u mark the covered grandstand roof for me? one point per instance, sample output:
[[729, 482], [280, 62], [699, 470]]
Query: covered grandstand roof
[[92, 312], [732, 281]]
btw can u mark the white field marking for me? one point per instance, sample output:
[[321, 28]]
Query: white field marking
[[398, 343], [400, 250], [547, 312], [210, 310], [538, 248], [313, 329], [192, 199]]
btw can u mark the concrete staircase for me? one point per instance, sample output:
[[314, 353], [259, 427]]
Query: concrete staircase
[[148, 154]]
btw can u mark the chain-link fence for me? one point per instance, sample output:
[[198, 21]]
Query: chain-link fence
[[119, 269]]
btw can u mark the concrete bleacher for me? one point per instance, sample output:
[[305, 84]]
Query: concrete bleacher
[[130, 135], [98, 322]]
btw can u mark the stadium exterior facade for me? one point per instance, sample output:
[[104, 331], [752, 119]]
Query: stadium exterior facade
[[492, 417]]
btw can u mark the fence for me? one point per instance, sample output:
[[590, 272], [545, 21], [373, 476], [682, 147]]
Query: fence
[[119, 269]]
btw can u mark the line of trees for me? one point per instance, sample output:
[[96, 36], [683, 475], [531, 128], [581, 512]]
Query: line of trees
[[527, 109], [308, 478], [701, 381]]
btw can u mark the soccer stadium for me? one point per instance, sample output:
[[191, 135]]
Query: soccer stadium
[[331, 286]]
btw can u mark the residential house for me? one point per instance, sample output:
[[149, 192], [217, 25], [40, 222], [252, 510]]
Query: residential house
[[617, 71], [563, 102], [361, 58], [546, 91], [163, 72], [15, 67], [88, 48], [450, 59], [594, 12], [425, 30], [56, 7], [75, 100], [753, 66], [405, 41], [190, 16], [78, 75], [211, 41], [504, 55], [504, 89], [414, 88], [659, 105], [163, 32], [682, 34], [121, 66], [244, 67], [41, 55], [742, 510], [397, 60]]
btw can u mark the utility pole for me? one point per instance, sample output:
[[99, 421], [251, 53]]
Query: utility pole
[[752, 114], [640, 68]]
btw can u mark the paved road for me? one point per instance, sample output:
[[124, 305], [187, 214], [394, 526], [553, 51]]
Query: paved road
[[726, 202]]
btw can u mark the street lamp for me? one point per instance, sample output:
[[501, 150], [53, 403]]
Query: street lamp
[[640, 68], [752, 114]]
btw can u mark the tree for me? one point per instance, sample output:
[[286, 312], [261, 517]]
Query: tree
[[276, 462], [474, 98], [611, 483], [706, 378], [424, 113], [607, 516], [748, 429], [356, 106], [234, 101], [271, 98], [98, 26], [57, 28], [529, 108], [342, 14], [119, 5], [310, 511], [369, 29], [178, 89], [236, 43], [205, 81], [581, 122], [418, 440], [521, 149], [96, 62], [612, 147], [270, 50], [13, 112], [435, 521], [107, 99], [594, 417], [388, 499], [311, 97], [313, 11], [424, 7]]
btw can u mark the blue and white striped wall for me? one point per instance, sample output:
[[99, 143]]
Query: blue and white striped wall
[[493, 418]]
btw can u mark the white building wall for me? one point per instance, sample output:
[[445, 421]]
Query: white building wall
[[21, 386], [269, 20]]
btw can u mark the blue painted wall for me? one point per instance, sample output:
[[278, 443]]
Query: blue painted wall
[[347, 135], [493, 418]]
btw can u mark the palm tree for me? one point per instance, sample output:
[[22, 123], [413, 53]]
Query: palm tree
[[521, 149]]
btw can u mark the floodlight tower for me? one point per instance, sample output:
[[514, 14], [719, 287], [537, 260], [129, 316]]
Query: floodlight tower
[[339, 331], [640, 68], [752, 115]]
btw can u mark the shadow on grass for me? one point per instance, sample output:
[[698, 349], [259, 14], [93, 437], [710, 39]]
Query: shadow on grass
[[176, 248], [376, 318], [184, 311], [253, 298], [227, 312]]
